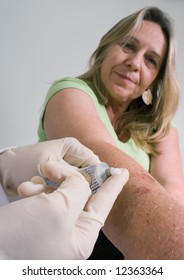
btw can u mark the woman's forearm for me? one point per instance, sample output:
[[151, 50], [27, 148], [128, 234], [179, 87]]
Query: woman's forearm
[[145, 221]]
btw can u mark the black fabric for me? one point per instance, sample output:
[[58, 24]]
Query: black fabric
[[105, 250]]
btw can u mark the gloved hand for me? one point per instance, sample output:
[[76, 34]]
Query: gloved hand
[[63, 224], [21, 164]]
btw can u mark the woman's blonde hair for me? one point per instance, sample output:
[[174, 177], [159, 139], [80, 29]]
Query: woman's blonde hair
[[147, 125]]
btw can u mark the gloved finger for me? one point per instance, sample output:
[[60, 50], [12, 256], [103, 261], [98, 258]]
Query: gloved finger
[[101, 202], [53, 170], [58, 171], [74, 192], [36, 186], [98, 207], [77, 154]]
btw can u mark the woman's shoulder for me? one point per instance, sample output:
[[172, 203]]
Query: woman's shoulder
[[71, 82], [67, 82]]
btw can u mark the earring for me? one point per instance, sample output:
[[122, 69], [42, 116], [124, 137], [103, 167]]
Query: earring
[[147, 97]]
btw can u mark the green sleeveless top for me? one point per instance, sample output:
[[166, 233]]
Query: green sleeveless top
[[129, 147]]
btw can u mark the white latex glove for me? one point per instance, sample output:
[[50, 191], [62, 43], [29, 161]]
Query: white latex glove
[[20, 164], [61, 225]]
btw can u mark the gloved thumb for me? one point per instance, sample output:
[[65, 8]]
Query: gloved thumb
[[100, 204], [96, 211]]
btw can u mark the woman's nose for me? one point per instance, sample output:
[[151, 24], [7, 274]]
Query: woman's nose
[[134, 62]]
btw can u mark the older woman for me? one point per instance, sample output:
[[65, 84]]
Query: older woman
[[122, 109]]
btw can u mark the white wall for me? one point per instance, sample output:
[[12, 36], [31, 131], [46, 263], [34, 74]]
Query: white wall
[[43, 40]]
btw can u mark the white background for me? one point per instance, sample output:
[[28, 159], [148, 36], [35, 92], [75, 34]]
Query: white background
[[44, 40]]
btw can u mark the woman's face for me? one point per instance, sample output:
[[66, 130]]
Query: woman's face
[[130, 68]]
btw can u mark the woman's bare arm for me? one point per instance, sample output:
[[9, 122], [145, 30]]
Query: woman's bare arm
[[71, 112], [145, 222], [166, 167]]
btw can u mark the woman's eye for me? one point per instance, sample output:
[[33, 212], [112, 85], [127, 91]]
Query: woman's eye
[[128, 45], [152, 61]]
